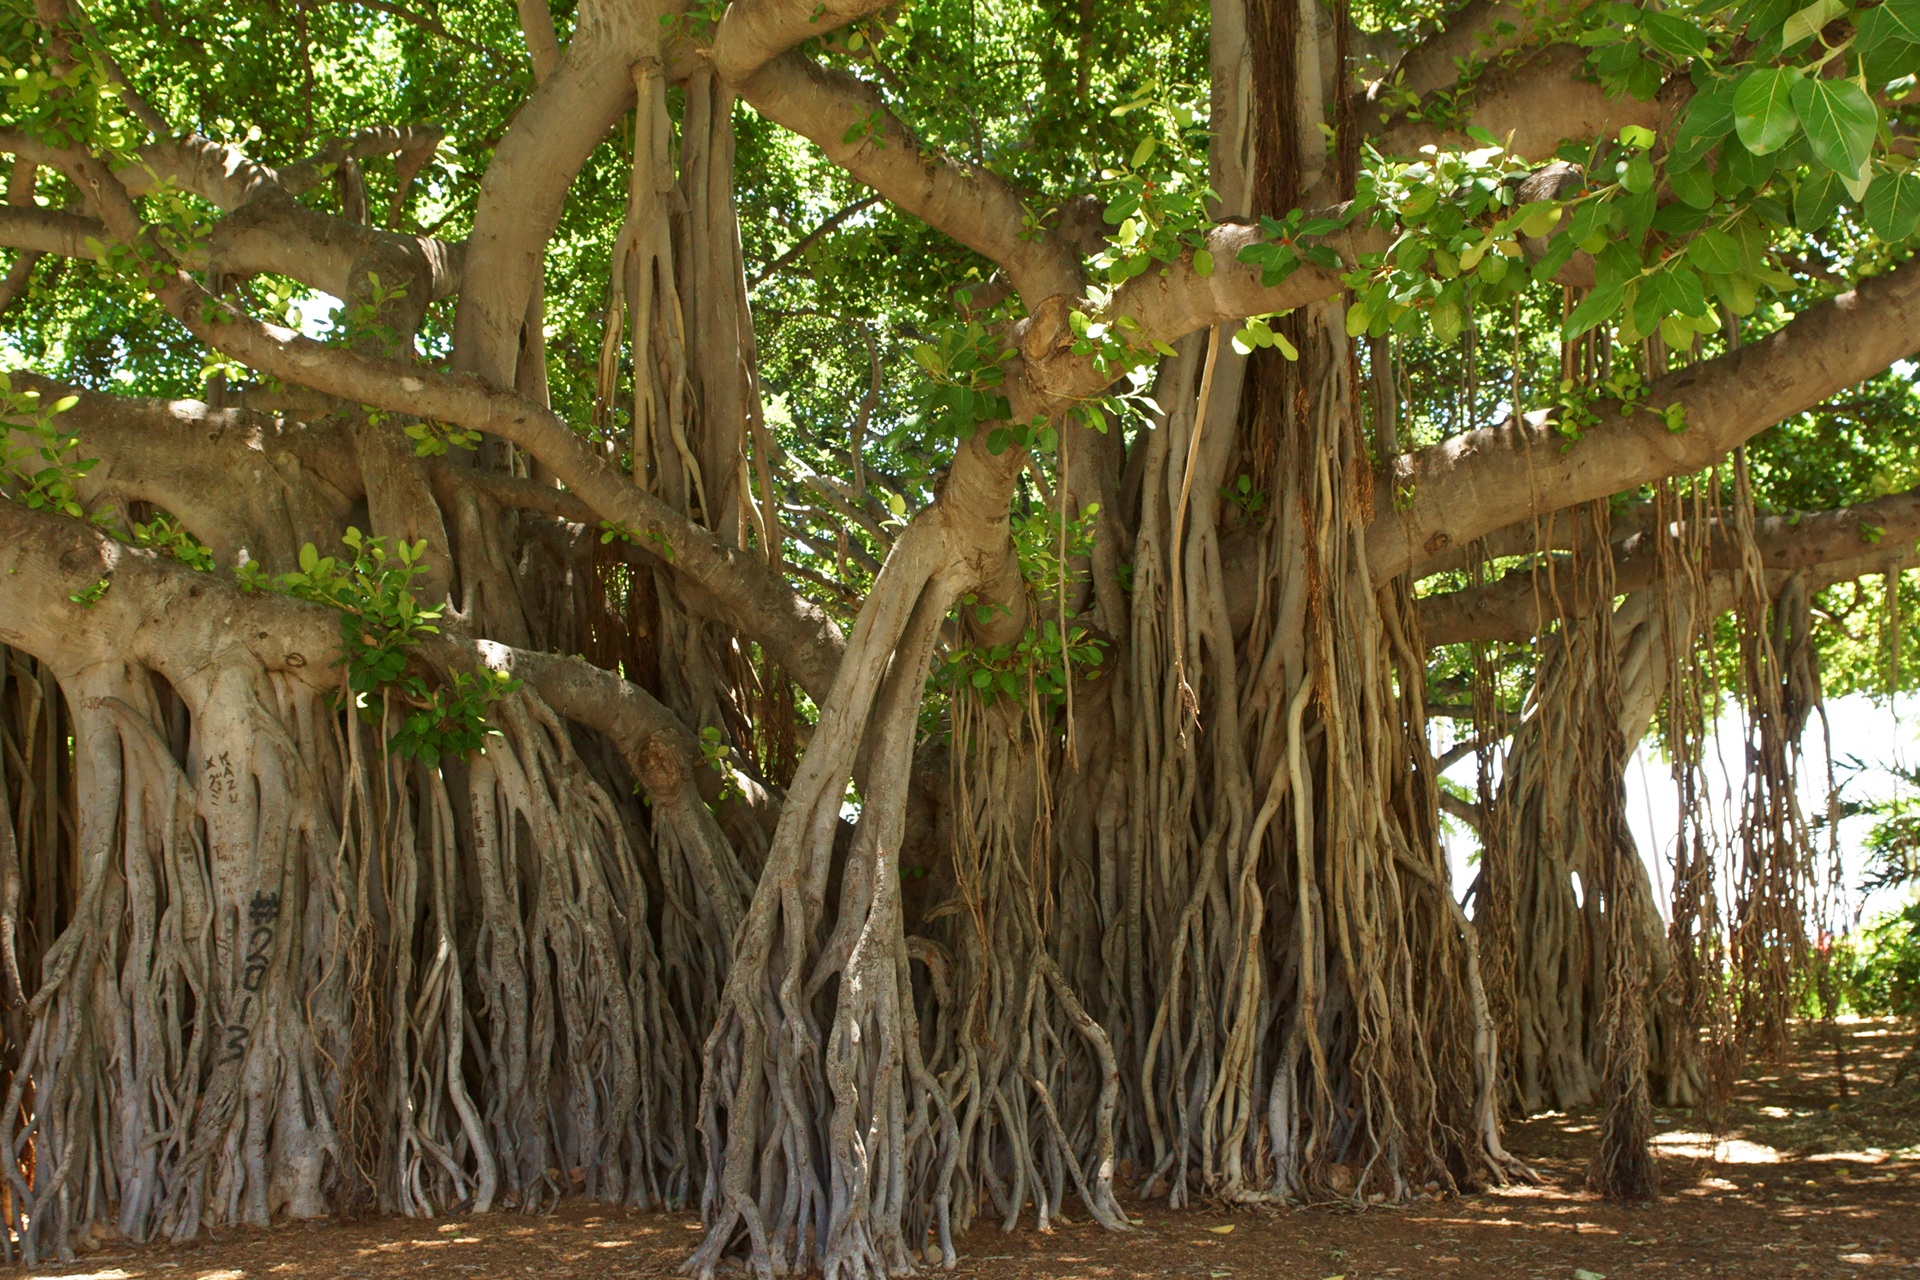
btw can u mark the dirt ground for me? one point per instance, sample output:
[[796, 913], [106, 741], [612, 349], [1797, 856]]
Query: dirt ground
[[1804, 1185]]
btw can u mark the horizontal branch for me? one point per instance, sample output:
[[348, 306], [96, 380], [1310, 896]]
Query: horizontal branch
[[180, 622], [1455, 491], [1476, 33], [50, 231], [1827, 546], [266, 230], [1532, 104]]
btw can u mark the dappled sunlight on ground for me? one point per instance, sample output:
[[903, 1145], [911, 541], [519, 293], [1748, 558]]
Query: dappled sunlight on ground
[[1803, 1183]]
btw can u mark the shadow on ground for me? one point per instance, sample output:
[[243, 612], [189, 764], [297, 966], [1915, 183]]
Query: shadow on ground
[[1804, 1183]]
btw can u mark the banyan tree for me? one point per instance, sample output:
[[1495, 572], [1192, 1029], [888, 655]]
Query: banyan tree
[[828, 612]]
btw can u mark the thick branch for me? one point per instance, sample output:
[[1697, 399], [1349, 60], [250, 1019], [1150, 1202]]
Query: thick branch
[[267, 230], [177, 621], [49, 231], [755, 600], [1829, 546], [1461, 488], [753, 33], [241, 481], [959, 199], [525, 185], [1478, 32], [1531, 105], [536, 28]]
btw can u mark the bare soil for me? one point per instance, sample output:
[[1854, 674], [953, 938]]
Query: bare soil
[[1804, 1184]]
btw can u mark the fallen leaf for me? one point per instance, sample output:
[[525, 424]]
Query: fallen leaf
[[1222, 1231], [1580, 1273]]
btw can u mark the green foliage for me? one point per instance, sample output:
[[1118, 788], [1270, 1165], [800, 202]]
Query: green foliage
[[715, 751], [1288, 244], [430, 439], [1258, 332], [166, 535], [1878, 968], [88, 597], [39, 461], [380, 623], [1250, 501], [962, 387], [1042, 662], [653, 539], [1459, 225], [1158, 211]]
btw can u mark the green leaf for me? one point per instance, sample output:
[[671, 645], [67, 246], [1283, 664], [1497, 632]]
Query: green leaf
[[1883, 38], [1709, 118], [1763, 113], [1669, 34], [1893, 205], [1357, 322], [1740, 293], [1815, 199], [1202, 263], [1840, 120], [1896, 19], [1539, 219], [1715, 252], [1593, 309], [1637, 136], [1639, 175], [1804, 23]]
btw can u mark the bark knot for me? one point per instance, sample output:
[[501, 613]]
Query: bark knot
[[661, 770]]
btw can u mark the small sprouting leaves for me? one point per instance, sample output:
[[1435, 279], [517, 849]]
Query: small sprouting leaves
[[1258, 333]]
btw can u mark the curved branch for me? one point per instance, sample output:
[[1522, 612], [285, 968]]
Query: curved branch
[[243, 482], [754, 598], [753, 33], [266, 230], [848, 120], [1474, 483], [525, 185]]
